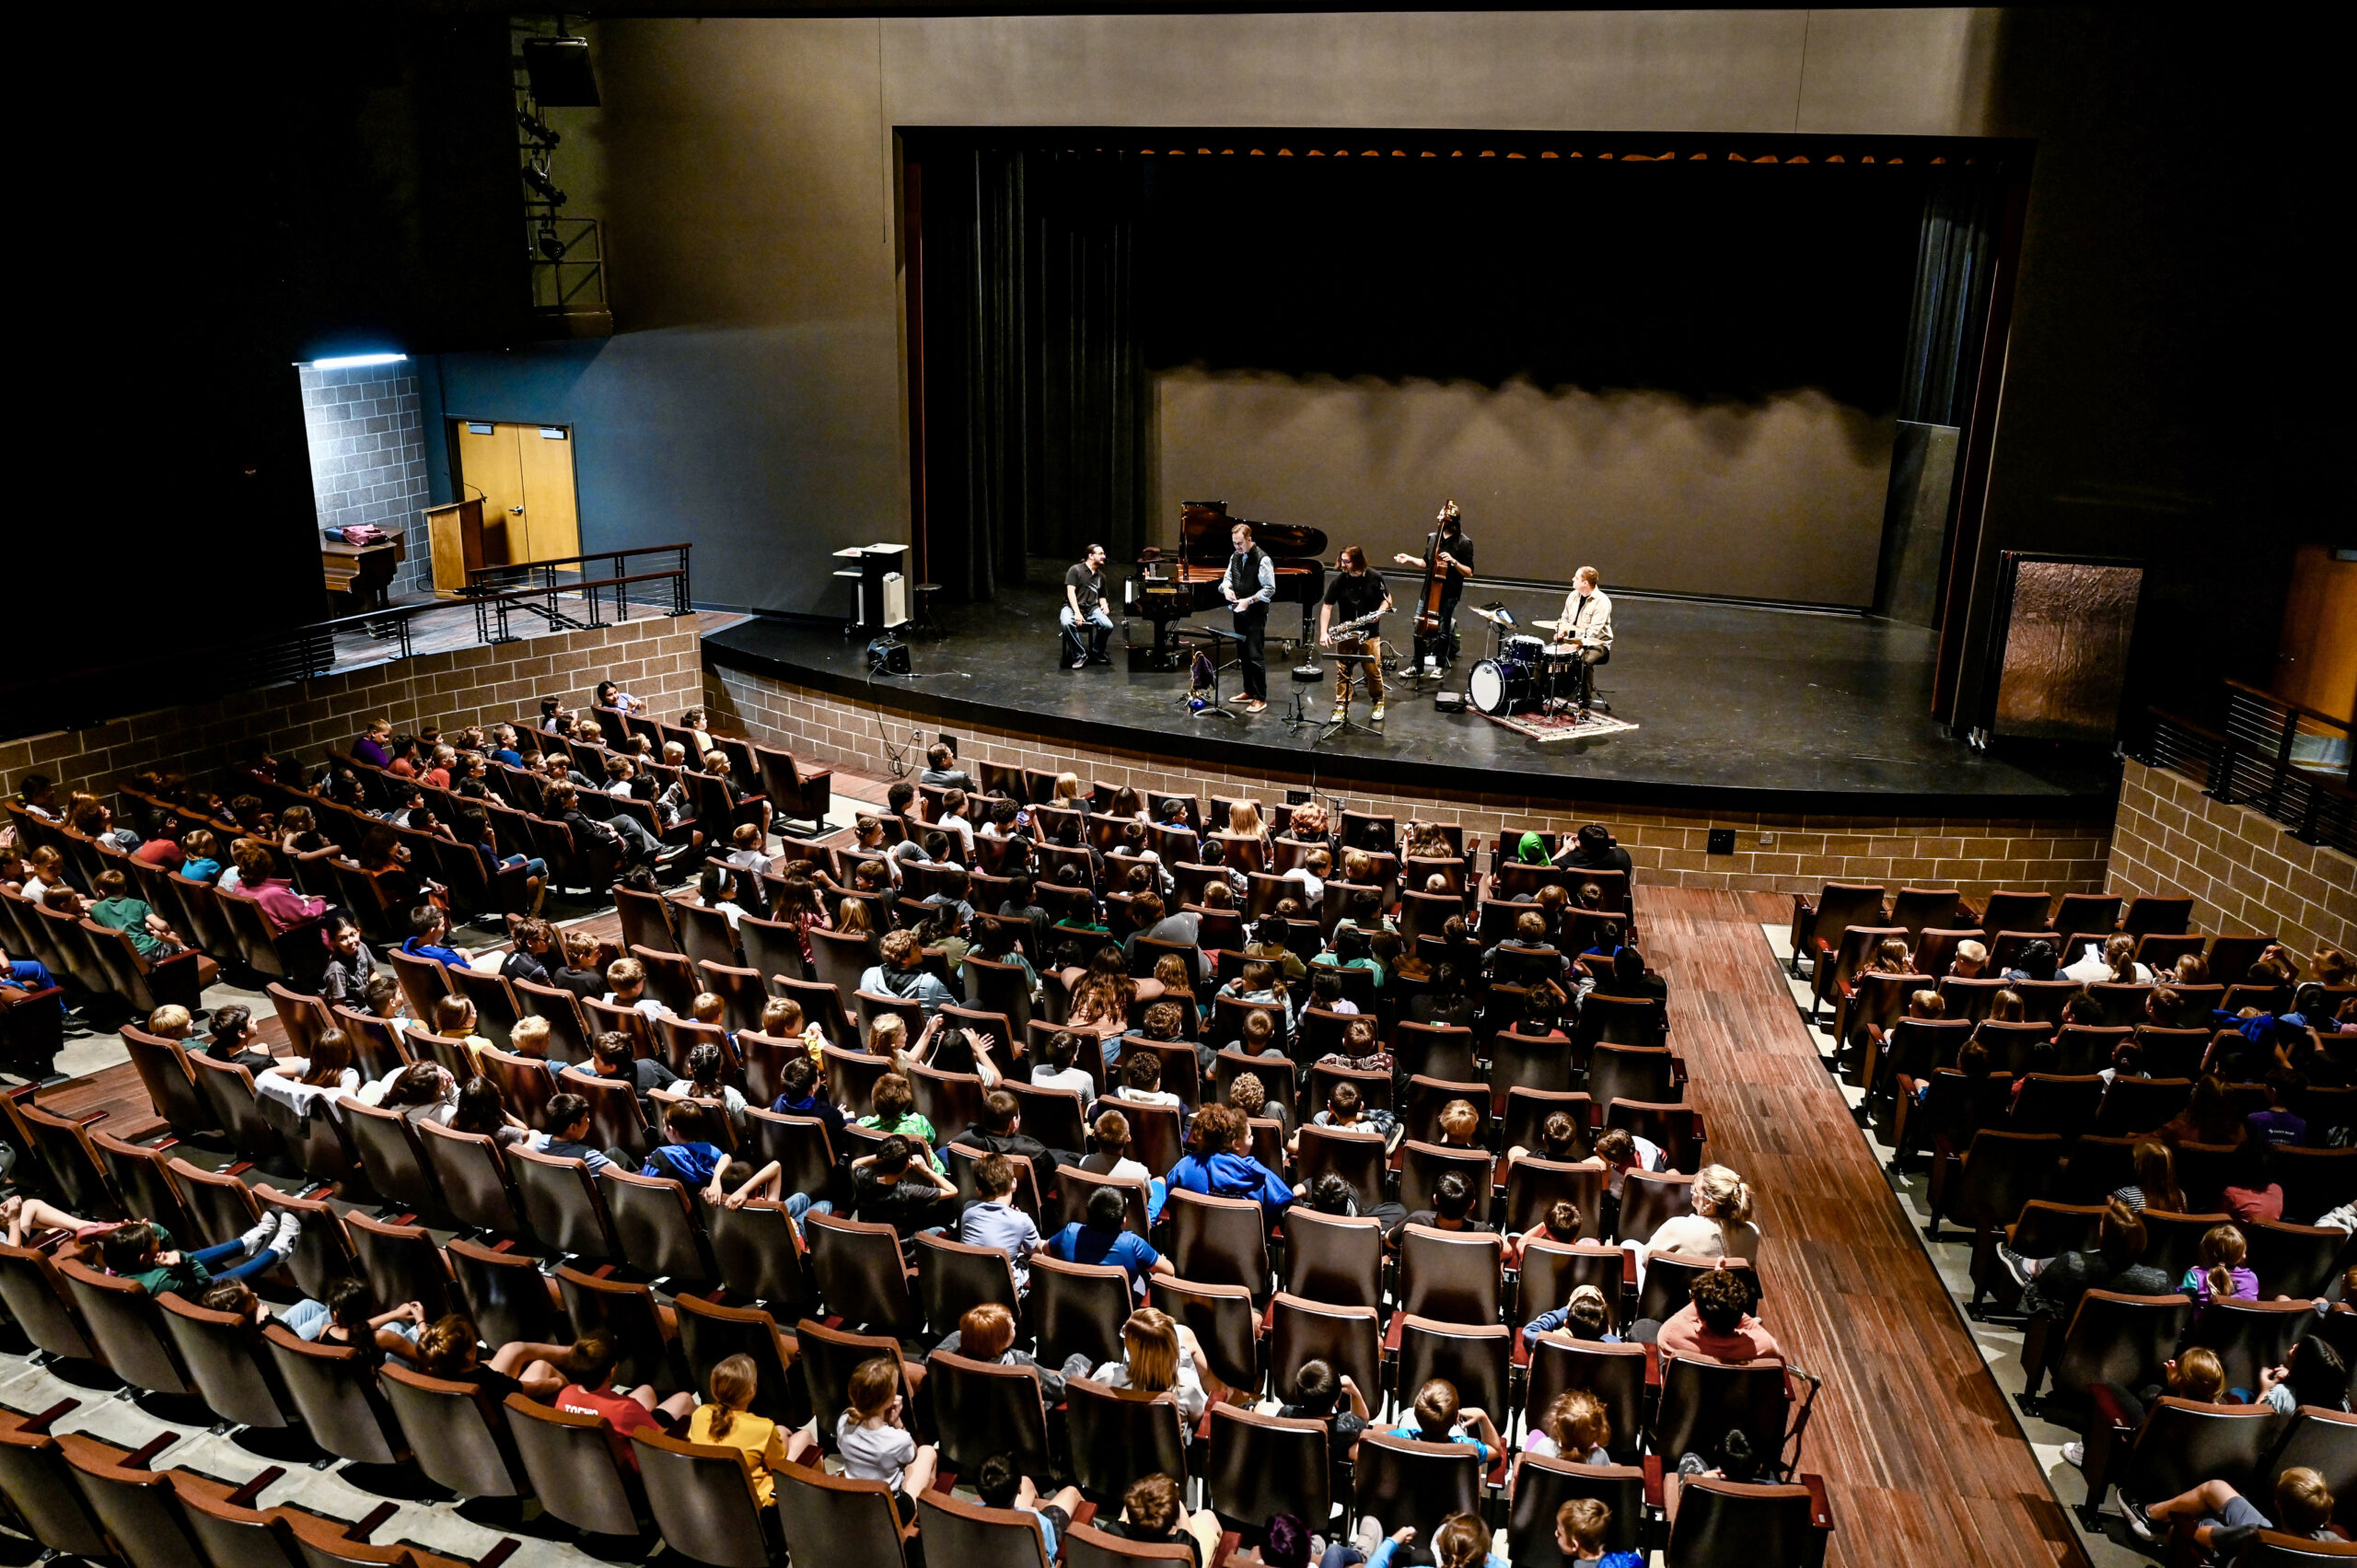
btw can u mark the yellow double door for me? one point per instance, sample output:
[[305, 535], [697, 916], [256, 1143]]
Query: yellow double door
[[524, 474]]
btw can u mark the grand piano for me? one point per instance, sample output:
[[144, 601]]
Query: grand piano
[[1171, 588]]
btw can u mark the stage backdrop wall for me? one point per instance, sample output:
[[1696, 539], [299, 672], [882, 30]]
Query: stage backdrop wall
[[1780, 499]]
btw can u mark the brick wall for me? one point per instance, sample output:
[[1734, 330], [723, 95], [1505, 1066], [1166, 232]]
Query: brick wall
[[1668, 846], [657, 657], [368, 456], [2244, 869]]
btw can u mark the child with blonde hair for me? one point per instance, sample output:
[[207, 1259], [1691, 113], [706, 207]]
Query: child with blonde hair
[[728, 1421]]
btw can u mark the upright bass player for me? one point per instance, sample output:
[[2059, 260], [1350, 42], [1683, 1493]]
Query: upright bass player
[[1447, 561]]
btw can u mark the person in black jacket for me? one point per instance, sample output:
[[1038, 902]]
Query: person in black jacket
[[534, 950], [627, 838], [1593, 849], [1000, 1131]]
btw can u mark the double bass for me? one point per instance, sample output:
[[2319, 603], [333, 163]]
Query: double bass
[[1435, 589]]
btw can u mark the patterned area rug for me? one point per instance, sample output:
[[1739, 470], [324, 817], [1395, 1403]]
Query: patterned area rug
[[1560, 726]]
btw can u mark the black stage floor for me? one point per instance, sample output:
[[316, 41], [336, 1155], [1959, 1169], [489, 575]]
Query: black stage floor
[[1736, 707]]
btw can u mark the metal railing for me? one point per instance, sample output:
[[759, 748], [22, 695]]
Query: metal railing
[[2291, 763], [82, 698], [540, 588]]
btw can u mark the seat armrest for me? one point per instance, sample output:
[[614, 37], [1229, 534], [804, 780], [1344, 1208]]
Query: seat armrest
[[2109, 1439], [1653, 1476], [1821, 1507]]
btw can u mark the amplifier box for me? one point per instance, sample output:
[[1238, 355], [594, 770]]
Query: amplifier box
[[1141, 655], [1449, 702]]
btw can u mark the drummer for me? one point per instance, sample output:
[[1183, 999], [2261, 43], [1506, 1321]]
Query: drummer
[[1584, 631]]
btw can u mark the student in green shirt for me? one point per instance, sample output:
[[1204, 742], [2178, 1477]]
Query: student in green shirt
[[142, 1250], [118, 911]]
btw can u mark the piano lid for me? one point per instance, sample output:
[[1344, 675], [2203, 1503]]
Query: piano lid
[[1204, 527]]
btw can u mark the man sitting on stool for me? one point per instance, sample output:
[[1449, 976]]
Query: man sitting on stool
[[1587, 620], [1085, 601]]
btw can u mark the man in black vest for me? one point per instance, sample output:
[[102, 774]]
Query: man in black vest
[[1250, 586]]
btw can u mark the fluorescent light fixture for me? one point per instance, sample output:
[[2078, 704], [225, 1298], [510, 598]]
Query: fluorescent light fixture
[[353, 361]]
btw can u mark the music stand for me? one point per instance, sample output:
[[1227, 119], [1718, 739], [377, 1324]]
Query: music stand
[[1335, 727], [1214, 636]]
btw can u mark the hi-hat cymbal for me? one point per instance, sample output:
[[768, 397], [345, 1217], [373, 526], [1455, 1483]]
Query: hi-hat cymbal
[[1547, 625], [1489, 615]]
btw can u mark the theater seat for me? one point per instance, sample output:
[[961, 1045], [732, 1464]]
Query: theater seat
[[1541, 1487], [2182, 1443], [835, 1519], [975, 1537], [1726, 1524], [702, 1502], [827, 1359], [1349, 1338], [1116, 1436], [569, 1460], [1403, 1481], [459, 1435]]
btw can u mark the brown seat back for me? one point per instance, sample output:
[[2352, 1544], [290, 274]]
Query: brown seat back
[[860, 1273], [1418, 1485], [1350, 1339], [506, 1293], [2115, 1338], [1702, 1400], [568, 1457], [1117, 1435], [982, 1408], [953, 1277], [827, 1358], [1261, 1466], [709, 1334], [1615, 1374], [1533, 1186], [1331, 1258], [702, 1502], [759, 1257], [1084, 1546], [1726, 1524], [224, 1360], [1472, 1356], [1552, 1271], [1078, 1310], [36, 1298], [1648, 1198], [472, 1175], [563, 1205], [1218, 1240], [656, 1224], [1541, 1488], [1453, 1276], [402, 1263], [333, 1389], [975, 1537], [127, 1328], [626, 1312], [830, 1518], [1223, 1321], [1422, 1165], [39, 1485], [459, 1435]]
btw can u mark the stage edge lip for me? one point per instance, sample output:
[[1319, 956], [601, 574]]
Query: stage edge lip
[[1293, 757]]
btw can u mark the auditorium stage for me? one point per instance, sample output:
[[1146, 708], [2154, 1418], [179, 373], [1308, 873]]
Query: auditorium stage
[[1736, 708]]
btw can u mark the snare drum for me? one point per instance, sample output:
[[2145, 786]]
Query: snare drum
[[1503, 685], [1526, 650]]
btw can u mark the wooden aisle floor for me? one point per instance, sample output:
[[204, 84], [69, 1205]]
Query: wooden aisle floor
[[1921, 1456]]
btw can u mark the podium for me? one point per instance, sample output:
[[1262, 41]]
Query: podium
[[878, 576]]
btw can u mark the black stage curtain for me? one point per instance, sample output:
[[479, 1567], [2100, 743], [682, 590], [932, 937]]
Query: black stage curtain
[[1956, 255], [1036, 385]]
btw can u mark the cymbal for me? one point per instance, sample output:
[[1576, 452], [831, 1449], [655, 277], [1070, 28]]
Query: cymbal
[[1547, 626], [1489, 615]]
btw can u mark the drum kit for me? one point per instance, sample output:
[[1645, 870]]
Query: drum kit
[[1524, 673]]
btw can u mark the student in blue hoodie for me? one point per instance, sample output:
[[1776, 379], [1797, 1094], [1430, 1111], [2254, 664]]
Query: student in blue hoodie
[[1220, 1168]]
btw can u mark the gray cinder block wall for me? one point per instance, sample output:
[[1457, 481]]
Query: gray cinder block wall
[[368, 456]]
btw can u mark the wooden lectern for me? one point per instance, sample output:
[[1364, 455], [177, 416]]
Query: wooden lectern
[[456, 533]]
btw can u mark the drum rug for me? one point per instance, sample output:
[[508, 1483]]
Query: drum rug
[[1560, 727]]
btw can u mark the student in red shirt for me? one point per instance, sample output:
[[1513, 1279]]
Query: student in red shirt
[[590, 1365], [1717, 1324]]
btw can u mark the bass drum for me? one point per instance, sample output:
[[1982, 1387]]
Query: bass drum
[[1500, 686]]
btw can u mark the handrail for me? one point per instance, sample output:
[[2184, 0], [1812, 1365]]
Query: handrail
[[587, 555], [2252, 763], [2265, 695], [81, 698]]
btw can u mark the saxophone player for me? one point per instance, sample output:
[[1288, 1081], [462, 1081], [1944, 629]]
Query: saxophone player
[[1357, 595]]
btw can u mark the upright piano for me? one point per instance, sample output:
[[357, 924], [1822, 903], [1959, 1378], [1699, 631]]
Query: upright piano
[[1171, 588]]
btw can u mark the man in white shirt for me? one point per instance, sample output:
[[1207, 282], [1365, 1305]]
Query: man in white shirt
[[1586, 622]]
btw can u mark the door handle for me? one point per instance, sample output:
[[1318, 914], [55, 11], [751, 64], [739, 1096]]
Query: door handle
[[514, 511]]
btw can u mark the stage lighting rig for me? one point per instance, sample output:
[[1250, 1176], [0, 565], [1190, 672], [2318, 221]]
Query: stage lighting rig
[[536, 175], [551, 245], [537, 130]]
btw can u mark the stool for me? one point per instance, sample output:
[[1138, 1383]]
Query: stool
[[921, 622]]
